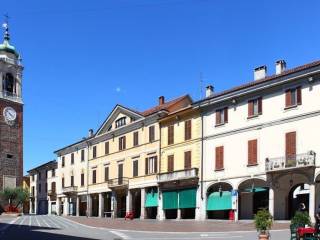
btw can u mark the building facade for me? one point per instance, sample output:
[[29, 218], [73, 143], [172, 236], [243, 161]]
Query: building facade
[[11, 117], [43, 189]]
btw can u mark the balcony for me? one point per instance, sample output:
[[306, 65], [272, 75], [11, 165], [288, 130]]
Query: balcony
[[52, 193], [118, 182], [69, 190], [10, 96], [178, 175], [290, 162]]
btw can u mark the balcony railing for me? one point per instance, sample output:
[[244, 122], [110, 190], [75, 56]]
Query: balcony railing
[[292, 161], [10, 95], [52, 193], [118, 182], [69, 190], [178, 175]]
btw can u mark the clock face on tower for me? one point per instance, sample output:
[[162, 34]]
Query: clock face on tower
[[9, 115]]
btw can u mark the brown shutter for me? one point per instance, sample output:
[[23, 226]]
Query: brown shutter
[[146, 166], [187, 130], [288, 98], [156, 164], [219, 158], [187, 160], [225, 114], [250, 108], [260, 105], [299, 97], [170, 163], [218, 117], [252, 152], [290, 144], [170, 134], [124, 142]]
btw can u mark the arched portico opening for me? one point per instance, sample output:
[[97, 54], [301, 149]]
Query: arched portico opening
[[298, 194], [219, 200], [253, 196]]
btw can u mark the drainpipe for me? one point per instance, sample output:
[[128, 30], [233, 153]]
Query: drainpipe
[[201, 182], [88, 154]]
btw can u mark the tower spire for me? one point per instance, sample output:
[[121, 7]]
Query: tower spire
[[5, 25]]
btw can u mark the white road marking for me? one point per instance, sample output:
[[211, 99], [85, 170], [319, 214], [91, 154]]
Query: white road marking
[[120, 234], [22, 221], [43, 219], [54, 223], [29, 221], [37, 221], [62, 221]]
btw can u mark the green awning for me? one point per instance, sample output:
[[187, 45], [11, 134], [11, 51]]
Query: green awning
[[219, 201], [151, 200], [170, 200], [188, 198], [256, 189]]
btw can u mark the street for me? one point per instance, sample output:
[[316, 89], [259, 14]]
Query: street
[[37, 227]]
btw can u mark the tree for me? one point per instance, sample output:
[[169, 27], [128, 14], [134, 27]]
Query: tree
[[15, 197]]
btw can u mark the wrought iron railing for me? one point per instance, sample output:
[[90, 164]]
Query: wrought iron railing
[[70, 189], [291, 161], [176, 175], [118, 182]]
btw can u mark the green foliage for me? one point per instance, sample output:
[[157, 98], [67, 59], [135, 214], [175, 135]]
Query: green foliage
[[14, 196], [301, 219], [263, 220]]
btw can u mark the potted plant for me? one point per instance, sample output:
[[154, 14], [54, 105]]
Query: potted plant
[[301, 219], [263, 222]]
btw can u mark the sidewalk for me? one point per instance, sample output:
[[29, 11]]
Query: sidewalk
[[172, 225]]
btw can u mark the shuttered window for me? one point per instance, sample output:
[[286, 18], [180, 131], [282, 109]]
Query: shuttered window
[[293, 97], [135, 138], [82, 155], [151, 133], [94, 152], [187, 130], [122, 143], [72, 181], [151, 165], [106, 148], [252, 152], [170, 134], [106, 174], [255, 107], [62, 182], [135, 168], [219, 158], [82, 179], [290, 145], [63, 161], [94, 176], [187, 160], [72, 158], [222, 116], [170, 163]]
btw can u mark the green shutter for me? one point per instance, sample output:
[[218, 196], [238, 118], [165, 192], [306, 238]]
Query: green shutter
[[219, 201], [151, 200], [187, 198], [170, 200]]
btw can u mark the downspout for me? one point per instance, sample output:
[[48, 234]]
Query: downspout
[[87, 142], [201, 181]]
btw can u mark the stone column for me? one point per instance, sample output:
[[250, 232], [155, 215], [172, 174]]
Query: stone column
[[178, 210], [199, 205], [78, 206], [161, 215], [312, 202], [129, 201], [35, 206], [271, 201], [66, 206], [101, 205], [114, 205], [89, 205], [30, 207], [143, 200], [236, 211], [49, 207]]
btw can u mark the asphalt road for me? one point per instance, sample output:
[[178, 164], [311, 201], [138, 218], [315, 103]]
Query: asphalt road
[[59, 228]]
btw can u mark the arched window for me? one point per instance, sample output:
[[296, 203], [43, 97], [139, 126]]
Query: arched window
[[8, 85]]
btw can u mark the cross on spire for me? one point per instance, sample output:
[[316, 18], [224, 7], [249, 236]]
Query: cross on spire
[[5, 25]]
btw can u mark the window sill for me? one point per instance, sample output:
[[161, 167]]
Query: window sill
[[252, 165], [220, 124], [291, 107], [253, 116], [219, 170]]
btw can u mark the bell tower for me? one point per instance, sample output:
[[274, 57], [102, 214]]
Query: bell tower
[[11, 113]]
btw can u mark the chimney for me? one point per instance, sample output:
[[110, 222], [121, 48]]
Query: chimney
[[209, 90], [260, 72], [90, 133], [161, 100], [280, 66]]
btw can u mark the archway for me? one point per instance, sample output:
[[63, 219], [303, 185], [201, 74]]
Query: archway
[[253, 196], [298, 194], [9, 84], [219, 201]]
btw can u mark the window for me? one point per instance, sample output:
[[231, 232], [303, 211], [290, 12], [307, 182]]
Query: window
[[39, 188], [32, 191], [9, 84], [121, 122], [252, 152], [106, 148], [187, 130], [219, 158], [106, 174], [72, 181], [151, 165], [94, 152], [135, 138], [53, 173], [135, 168], [291, 145], [94, 176], [170, 134], [170, 163], [62, 161], [151, 133], [72, 158], [293, 97], [62, 182], [53, 187], [39, 175], [82, 179], [122, 143], [187, 160], [222, 116], [46, 188], [32, 178], [82, 155], [254, 107], [46, 174]]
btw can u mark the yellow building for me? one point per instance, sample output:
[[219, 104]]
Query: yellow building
[[180, 164], [121, 174]]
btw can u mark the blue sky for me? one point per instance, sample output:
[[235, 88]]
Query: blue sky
[[83, 57]]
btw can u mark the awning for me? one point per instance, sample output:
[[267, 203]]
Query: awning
[[187, 198], [151, 199], [170, 200], [256, 189], [219, 201]]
